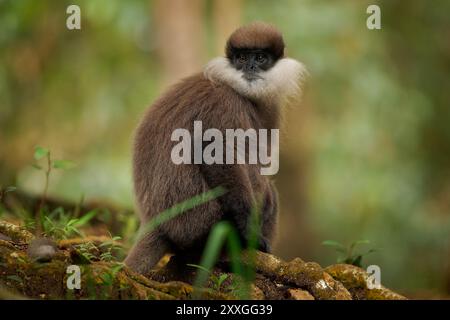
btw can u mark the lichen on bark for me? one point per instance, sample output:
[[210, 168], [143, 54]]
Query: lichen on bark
[[22, 277]]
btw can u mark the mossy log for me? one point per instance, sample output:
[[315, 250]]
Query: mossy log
[[21, 277], [356, 281], [304, 275]]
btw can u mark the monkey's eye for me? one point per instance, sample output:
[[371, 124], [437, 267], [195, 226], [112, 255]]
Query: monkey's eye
[[261, 58], [242, 58]]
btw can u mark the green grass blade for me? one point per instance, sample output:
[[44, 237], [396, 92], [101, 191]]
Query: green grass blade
[[179, 209], [85, 218]]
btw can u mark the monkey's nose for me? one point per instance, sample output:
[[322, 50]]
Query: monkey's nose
[[251, 67]]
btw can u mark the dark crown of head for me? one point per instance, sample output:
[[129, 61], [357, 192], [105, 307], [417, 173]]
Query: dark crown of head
[[257, 35]]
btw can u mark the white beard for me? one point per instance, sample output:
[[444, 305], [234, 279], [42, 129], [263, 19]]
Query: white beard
[[276, 85]]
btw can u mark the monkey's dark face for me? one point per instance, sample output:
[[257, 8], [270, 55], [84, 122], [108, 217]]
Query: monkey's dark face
[[252, 62]]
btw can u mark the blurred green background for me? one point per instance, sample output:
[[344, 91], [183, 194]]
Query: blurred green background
[[366, 155]]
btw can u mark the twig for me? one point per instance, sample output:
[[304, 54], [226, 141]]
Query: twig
[[39, 225]]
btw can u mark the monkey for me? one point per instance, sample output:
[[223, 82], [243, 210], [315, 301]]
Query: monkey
[[244, 89]]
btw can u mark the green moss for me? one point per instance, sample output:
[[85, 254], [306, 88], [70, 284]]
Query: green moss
[[16, 233], [355, 280]]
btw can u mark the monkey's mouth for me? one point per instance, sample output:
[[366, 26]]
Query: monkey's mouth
[[251, 77]]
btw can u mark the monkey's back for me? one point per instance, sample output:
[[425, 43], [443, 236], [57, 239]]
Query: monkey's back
[[159, 183]]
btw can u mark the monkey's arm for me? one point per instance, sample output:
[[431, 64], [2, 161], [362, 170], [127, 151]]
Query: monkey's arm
[[269, 215], [240, 198], [237, 202]]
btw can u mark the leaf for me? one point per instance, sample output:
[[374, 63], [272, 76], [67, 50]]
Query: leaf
[[357, 261], [72, 229], [106, 256], [15, 278], [358, 242], [40, 152], [369, 252], [224, 232], [221, 279], [343, 260], [106, 244], [107, 279], [10, 189], [59, 211], [72, 222], [332, 243], [63, 164], [85, 219], [198, 267], [46, 218], [117, 268], [36, 166], [179, 208]]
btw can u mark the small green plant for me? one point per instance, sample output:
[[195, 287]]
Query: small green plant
[[346, 253], [110, 248], [86, 250], [15, 278], [106, 251], [109, 275], [217, 281], [43, 153], [27, 218], [224, 232], [108, 278], [129, 223], [61, 224]]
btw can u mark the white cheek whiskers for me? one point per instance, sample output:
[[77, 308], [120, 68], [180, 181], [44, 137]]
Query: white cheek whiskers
[[278, 83]]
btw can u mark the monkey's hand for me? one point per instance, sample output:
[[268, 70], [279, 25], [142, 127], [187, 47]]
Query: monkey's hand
[[239, 212]]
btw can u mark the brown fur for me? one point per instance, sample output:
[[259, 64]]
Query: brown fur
[[256, 35], [160, 184]]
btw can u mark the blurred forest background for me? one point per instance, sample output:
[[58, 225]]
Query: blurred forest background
[[365, 156]]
